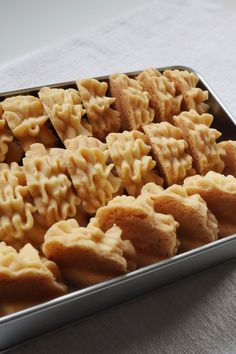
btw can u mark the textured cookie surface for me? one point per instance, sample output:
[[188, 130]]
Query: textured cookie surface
[[219, 192], [88, 255], [87, 162], [169, 150], [229, 158], [152, 234], [207, 154], [162, 94], [102, 117], [17, 212], [65, 111], [131, 101], [25, 276], [26, 119], [129, 152], [185, 84], [49, 185], [5, 138], [197, 225]]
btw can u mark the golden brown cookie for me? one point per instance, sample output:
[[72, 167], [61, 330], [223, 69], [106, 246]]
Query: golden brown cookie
[[197, 225], [87, 162], [185, 84], [219, 192], [18, 224], [5, 138], [64, 108], [162, 93], [229, 147], [152, 234], [49, 185], [101, 116], [129, 152], [206, 153], [88, 255], [170, 151], [131, 101], [26, 119], [26, 278]]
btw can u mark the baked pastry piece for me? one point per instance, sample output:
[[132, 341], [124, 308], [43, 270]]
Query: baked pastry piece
[[101, 116], [185, 84], [152, 234], [49, 185], [201, 139], [197, 225], [131, 101], [26, 278], [219, 192], [87, 162], [26, 119], [129, 152], [88, 255], [169, 150], [5, 138], [162, 93], [17, 213], [65, 111], [229, 158]]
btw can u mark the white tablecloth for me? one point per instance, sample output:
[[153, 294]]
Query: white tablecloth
[[196, 315]]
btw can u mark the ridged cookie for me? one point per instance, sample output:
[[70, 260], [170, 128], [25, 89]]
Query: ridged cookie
[[219, 192], [88, 255], [206, 153], [101, 116], [197, 225], [64, 108], [152, 234], [162, 93], [129, 152], [87, 162], [229, 158], [27, 120], [131, 101], [185, 84], [170, 151], [49, 185]]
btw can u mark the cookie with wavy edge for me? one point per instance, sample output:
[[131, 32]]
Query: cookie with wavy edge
[[26, 119], [129, 152], [65, 110], [87, 162], [88, 255], [49, 185], [18, 220], [27, 278], [170, 151], [229, 147], [197, 225], [152, 234], [10, 149], [206, 153], [219, 192], [5, 138], [101, 116], [162, 93], [131, 101], [185, 84]]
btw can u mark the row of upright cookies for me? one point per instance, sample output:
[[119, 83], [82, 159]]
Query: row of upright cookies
[[97, 208]]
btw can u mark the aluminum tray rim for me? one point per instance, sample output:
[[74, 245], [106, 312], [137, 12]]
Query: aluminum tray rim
[[77, 294]]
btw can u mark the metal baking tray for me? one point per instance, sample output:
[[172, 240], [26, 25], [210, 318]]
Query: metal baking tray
[[37, 320]]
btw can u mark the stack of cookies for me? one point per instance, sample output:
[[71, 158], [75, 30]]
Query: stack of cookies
[[99, 180]]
